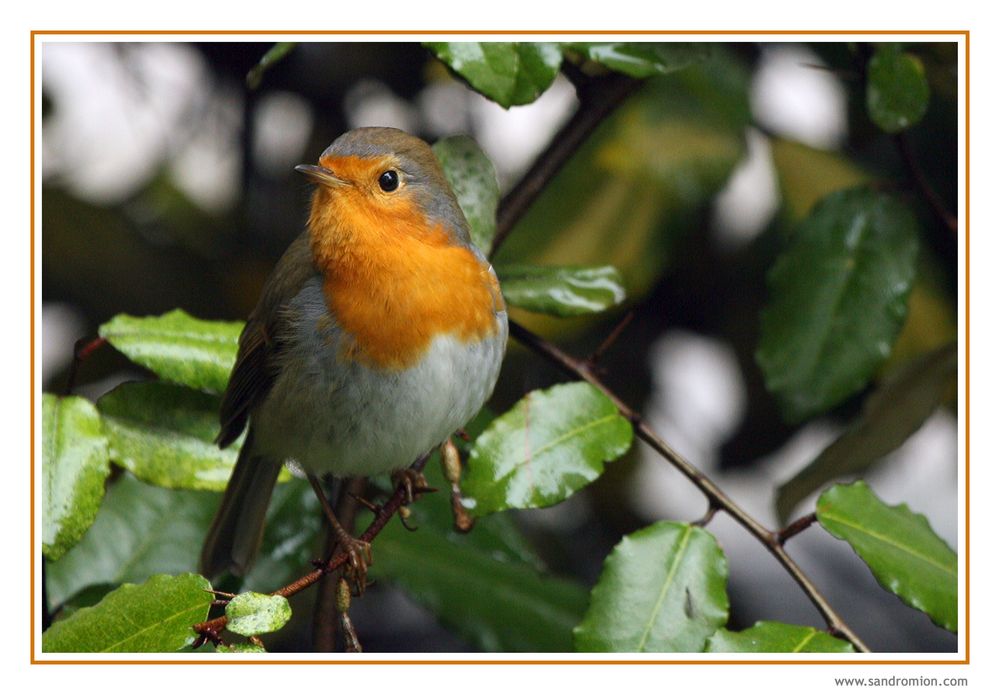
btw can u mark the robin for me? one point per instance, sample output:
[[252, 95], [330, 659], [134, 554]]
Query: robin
[[379, 333]]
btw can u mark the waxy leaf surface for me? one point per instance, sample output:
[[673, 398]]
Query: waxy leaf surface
[[772, 637], [155, 616], [74, 467], [899, 546], [562, 290], [473, 178], [837, 300], [663, 589], [550, 444], [508, 73], [178, 347]]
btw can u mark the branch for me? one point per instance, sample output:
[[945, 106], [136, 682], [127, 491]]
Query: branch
[[717, 498], [82, 350], [598, 98], [210, 629]]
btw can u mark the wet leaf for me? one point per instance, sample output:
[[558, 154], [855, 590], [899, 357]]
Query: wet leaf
[[178, 347], [241, 648], [474, 180], [663, 589], [562, 290], [642, 59], [508, 73], [165, 435], [550, 444], [899, 546], [74, 467], [838, 300], [155, 616], [251, 613], [771, 637]]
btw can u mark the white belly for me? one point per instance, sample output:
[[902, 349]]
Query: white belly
[[333, 416]]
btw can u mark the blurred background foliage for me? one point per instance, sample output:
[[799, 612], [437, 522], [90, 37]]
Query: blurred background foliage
[[168, 183]]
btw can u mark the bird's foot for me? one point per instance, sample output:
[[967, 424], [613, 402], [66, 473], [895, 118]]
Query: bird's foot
[[359, 559], [413, 482]]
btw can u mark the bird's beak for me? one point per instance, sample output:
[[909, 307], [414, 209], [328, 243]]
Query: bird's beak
[[320, 175]]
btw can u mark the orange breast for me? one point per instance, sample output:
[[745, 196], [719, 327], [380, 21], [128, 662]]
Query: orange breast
[[394, 284]]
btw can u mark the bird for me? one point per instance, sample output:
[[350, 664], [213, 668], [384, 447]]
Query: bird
[[379, 333]]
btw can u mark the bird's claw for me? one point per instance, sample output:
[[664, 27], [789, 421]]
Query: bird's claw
[[413, 482], [359, 559]]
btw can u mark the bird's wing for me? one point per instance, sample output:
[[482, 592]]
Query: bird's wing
[[260, 343]]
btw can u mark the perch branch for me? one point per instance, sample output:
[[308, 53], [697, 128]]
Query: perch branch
[[383, 516], [717, 498]]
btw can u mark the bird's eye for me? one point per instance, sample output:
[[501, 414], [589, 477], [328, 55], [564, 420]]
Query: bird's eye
[[388, 181]]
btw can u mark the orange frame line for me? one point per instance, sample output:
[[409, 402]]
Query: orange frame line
[[494, 32]]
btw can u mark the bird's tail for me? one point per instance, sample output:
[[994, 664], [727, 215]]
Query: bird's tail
[[234, 539]]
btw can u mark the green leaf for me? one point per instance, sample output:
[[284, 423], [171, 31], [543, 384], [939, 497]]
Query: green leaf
[[550, 444], [663, 589], [474, 180], [140, 530], [899, 546], [768, 636], [642, 59], [897, 91], [164, 434], [508, 73], [251, 613], [562, 290], [241, 648], [74, 467], [152, 617], [178, 347], [890, 415], [277, 52], [838, 300], [479, 584]]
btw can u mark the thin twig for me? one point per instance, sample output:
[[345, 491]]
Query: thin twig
[[598, 98], [707, 517], [581, 370], [82, 350], [612, 338], [795, 528]]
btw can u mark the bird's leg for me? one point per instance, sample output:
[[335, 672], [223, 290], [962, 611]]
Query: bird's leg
[[359, 551]]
